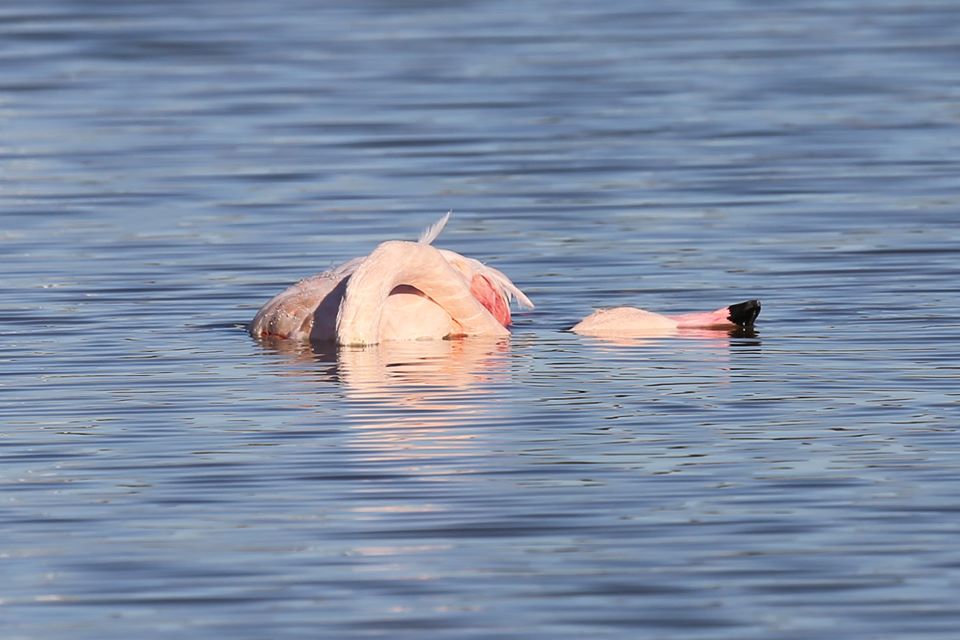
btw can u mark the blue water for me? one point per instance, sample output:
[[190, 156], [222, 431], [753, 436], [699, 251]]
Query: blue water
[[165, 168]]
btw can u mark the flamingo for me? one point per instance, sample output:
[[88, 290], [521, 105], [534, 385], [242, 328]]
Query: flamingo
[[629, 322], [401, 291]]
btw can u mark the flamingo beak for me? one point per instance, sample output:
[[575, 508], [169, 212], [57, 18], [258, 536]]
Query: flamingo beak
[[743, 314]]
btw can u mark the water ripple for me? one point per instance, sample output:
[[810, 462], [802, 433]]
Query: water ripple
[[165, 170]]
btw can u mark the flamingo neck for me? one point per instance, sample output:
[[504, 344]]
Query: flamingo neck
[[718, 318], [397, 263]]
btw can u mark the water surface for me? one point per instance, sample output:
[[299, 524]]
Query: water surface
[[165, 169]]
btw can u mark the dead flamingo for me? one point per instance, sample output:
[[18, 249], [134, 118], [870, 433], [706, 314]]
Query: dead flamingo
[[401, 291]]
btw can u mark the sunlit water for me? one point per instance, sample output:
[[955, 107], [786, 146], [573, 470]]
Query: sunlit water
[[167, 167]]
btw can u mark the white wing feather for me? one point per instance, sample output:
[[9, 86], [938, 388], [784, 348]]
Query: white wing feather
[[510, 290], [468, 266], [430, 233], [506, 285]]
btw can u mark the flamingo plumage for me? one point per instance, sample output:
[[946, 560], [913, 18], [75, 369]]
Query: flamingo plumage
[[400, 291]]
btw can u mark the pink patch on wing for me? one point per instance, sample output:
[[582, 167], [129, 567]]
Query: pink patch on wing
[[491, 298]]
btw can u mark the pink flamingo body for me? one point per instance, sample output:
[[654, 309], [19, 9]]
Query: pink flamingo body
[[401, 291]]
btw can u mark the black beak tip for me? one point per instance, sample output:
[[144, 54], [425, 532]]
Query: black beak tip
[[743, 314]]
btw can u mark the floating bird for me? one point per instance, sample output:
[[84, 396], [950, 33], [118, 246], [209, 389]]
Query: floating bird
[[629, 322], [401, 291]]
